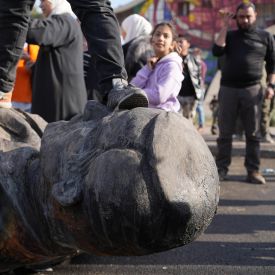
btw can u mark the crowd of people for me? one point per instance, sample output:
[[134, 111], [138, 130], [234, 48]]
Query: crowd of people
[[155, 67]]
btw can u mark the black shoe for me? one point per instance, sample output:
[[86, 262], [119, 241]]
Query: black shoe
[[255, 177], [125, 96], [214, 130], [222, 174]]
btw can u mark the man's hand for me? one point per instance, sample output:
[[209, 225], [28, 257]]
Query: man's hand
[[28, 65], [226, 16], [25, 56], [269, 93]]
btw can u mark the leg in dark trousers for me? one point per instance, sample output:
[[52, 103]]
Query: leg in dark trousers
[[227, 116], [14, 20], [251, 102], [101, 29]]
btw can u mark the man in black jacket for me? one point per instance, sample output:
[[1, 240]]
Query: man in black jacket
[[192, 86], [245, 51], [101, 30]]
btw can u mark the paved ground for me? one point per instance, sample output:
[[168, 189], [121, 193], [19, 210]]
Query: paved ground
[[267, 149], [240, 240]]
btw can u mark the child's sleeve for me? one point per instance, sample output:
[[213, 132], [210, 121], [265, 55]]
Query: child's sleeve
[[169, 83], [142, 76]]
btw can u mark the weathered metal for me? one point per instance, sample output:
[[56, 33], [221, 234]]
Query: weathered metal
[[122, 183]]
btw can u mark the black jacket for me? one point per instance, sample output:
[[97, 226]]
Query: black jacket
[[244, 56], [192, 67]]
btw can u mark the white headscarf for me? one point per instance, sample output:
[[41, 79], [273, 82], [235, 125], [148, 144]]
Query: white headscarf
[[61, 6], [135, 25]]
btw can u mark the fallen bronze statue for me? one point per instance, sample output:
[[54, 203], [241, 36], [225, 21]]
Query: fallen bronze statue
[[109, 183]]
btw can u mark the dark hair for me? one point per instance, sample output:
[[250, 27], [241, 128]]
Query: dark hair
[[183, 37], [246, 5], [168, 24]]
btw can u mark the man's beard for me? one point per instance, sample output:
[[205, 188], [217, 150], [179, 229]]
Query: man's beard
[[247, 28]]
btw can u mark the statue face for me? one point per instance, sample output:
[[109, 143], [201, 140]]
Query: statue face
[[127, 175], [123, 183]]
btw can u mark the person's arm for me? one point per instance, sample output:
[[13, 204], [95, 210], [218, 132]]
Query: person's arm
[[54, 31], [270, 68], [270, 90], [142, 76], [203, 70], [168, 84], [220, 41]]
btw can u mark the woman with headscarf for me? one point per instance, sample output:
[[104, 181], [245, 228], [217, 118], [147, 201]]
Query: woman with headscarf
[[59, 90], [137, 47]]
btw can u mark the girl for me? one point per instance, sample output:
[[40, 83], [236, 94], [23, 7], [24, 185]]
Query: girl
[[162, 76]]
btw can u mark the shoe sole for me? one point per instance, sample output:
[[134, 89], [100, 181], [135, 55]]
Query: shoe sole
[[255, 181], [133, 101]]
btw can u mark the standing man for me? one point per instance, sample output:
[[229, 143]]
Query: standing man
[[101, 30], [192, 86], [245, 51]]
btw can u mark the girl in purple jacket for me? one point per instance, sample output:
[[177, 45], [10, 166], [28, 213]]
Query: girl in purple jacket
[[161, 78]]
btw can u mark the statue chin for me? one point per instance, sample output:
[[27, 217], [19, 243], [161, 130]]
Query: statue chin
[[113, 183]]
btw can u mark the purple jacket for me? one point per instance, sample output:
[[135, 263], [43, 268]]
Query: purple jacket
[[163, 83]]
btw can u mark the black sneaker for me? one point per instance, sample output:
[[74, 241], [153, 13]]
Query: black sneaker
[[214, 130], [125, 96]]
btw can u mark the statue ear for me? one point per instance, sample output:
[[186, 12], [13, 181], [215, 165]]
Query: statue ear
[[67, 193]]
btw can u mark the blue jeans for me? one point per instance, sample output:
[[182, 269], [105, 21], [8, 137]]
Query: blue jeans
[[99, 26], [200, 113]]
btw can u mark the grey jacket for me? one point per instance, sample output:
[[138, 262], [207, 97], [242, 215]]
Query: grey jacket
[[194, 69]]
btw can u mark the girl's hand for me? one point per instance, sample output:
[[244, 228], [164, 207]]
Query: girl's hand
[[178, 48], [152, 62]]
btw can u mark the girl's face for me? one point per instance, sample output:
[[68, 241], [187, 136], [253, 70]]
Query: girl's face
[[162, 41]]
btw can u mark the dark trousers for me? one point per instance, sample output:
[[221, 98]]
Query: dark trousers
[[99, 26], [14, 19], [245, 102]]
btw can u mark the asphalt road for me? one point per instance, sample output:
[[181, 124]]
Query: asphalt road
[[240, 240]]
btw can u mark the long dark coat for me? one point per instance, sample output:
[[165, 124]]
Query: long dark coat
[[59, 90]]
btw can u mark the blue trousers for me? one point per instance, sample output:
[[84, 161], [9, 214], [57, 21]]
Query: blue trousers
[[99, 26]]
